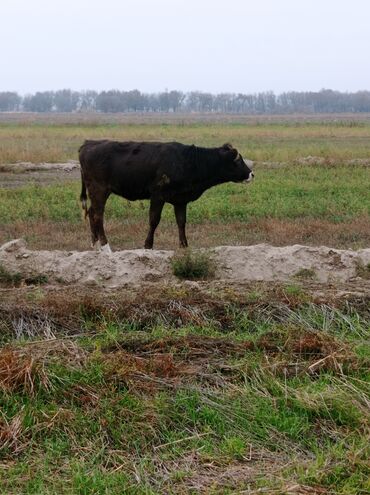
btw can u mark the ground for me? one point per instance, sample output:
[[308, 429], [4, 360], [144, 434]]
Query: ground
[[117, 376]]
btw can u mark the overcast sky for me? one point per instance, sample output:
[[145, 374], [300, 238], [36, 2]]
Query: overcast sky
[[209, 45]]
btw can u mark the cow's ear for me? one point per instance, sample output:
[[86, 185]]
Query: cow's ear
[[227, 146], [229, 152]]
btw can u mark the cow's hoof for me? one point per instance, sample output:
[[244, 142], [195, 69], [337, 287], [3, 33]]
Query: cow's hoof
[[106, 249], [96, 246]]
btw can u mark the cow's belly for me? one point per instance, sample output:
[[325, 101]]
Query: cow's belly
[[181, 197], [132, 194], [169, 193]]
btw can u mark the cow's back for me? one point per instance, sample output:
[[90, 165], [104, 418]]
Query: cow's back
[[130, 169]]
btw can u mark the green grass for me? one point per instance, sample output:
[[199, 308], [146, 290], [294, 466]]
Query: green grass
[[173, 391], [8, 278], [107, 415], [287, 193], [337, 194]]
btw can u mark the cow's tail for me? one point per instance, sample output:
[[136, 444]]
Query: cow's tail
[[83, 195]]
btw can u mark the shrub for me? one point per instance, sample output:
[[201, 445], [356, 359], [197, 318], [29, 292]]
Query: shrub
[[8, 278], [193, 265], [16, 279], [363, 270]]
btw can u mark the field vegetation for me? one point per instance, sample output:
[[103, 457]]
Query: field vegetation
[[198, 387], [311, 185], [262, 140], [183, 390]]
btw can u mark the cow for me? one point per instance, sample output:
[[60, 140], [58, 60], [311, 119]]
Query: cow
[[171, 172]]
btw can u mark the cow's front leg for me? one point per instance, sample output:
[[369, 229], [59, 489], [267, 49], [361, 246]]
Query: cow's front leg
[[180, 213], [155, 211]]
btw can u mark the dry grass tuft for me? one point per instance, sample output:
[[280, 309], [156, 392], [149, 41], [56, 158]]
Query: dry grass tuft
[[11, 433], [21, 372], [141, 374], [24, 319], [300, 352], [188, 347], [171, 362]]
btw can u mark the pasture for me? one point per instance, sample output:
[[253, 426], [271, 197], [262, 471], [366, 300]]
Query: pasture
[[311, 185], [193, 387]]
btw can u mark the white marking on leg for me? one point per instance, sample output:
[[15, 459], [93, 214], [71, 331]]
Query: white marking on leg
[[106, 249]]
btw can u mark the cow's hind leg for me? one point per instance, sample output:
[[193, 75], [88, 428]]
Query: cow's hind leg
[[155, 211], [180, 213], [96, 218]]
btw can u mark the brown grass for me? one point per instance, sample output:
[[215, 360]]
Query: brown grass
[[21, 372], [146, 366], [66, 236], [89, 118], [11, 433], [49, 311], [299, 352], [217, 478], [187, 348], [139, 373]]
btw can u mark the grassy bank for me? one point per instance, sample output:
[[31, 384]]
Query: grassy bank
[[184, 392], [196, 388]]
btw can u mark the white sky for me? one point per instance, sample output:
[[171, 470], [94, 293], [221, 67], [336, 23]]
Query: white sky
[[208, 45]]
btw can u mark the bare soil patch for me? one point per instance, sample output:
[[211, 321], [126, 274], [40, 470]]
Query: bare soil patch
[[21, 174]]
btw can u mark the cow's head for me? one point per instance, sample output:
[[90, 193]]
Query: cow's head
[[235, 168]]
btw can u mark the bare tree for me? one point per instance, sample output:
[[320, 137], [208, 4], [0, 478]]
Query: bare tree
[[9, 101]]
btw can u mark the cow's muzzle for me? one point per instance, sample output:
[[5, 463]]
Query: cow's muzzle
[[250, 178]]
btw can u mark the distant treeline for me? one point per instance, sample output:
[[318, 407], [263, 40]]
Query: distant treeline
[[66, 100]]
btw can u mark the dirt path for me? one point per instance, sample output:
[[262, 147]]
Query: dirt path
[[237, 264], [21, 174]]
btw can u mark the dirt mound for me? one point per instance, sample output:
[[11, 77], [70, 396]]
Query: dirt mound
[[261, 262], [269, 263], [87, 267], [23, 167]]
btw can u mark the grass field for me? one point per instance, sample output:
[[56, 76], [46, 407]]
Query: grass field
[[294, 199], [189, 389], [284, 141], [183, 391]]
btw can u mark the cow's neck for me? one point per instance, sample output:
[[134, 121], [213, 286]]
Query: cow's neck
[[208, 166]]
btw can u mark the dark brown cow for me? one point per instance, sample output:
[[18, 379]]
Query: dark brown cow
[[162, 172]]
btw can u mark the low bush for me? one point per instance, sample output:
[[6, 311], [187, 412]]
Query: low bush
[[193, 265]]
